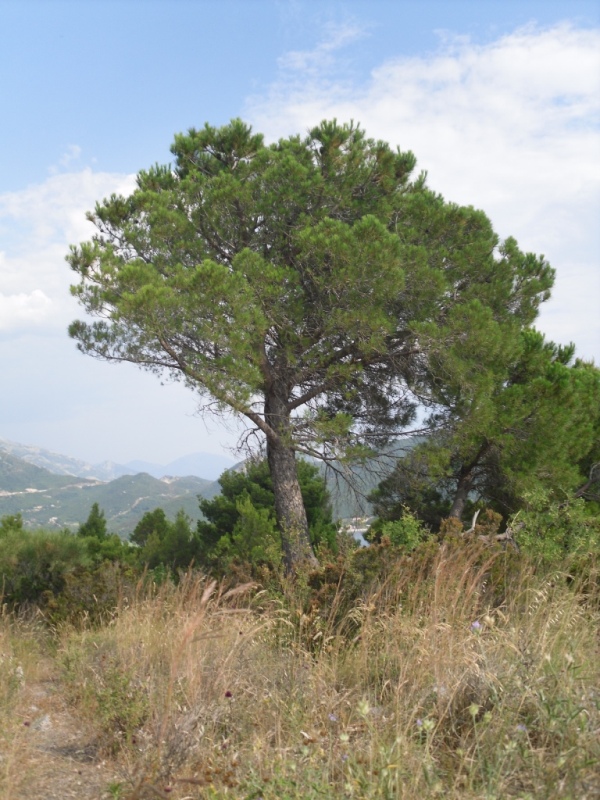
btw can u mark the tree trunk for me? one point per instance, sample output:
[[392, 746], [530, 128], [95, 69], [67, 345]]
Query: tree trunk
[[289, 506], [466, 478], [465, 481]]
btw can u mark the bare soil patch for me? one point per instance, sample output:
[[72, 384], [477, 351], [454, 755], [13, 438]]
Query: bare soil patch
[[57, 757]]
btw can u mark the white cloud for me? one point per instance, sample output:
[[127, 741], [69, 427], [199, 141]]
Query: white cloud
[[323, 56], [72, 153], [23, 310], [511, 126], [37, 224]]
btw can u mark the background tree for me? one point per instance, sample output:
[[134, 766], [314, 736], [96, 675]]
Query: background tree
[[529, 427], [301, 285], [246, 504], [153, 522], [172, 544], [95, 525]]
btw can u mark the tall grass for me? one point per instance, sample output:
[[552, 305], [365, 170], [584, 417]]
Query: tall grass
[[468, 678]]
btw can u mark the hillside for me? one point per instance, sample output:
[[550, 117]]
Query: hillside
[[203, 465], [19, 476], [57, 501], [60, 464]]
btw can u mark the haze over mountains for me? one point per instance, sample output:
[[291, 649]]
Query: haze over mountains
[[203, 465], [55, 491]]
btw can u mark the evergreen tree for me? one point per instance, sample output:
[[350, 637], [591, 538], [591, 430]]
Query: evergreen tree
[[172, 544], [530, 427], [307, 286], [95, 525], [247, 502], [152, 522]]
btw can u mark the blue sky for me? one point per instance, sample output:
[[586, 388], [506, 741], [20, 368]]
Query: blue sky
[[499, 101]]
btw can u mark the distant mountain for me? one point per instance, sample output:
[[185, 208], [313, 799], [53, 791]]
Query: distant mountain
[[19, 476], [204, 465], [62, 501], [64, 465]]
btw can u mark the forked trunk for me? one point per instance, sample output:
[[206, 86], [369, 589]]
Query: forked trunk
[[289, 506]]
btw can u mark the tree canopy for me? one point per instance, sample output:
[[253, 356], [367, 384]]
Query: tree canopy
[[310, 286], [531, 427]]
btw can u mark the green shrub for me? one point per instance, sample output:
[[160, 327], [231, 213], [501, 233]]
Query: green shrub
[[173, 545], [91, 595], [254, 539], [33, 563], [550, 531], [68, 576], [405, 533]]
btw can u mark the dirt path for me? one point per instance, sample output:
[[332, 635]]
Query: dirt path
[[57, 759]]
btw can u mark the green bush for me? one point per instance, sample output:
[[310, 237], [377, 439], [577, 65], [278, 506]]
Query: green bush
[[551, 532], [405, 533], [34, 563], [254, 539], [91, 595], [173, 545], [68, 576]]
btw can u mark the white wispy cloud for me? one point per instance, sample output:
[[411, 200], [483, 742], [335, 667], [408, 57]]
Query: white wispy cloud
[[23, 310], [511, 126], [322, 57], [67, 161], [36, 226]]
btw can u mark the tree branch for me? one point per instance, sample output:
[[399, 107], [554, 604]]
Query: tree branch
[[238, 407]]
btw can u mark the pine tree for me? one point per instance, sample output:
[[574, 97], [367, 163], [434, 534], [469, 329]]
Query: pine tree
[[306, 286], [95, 525], [529, 426]]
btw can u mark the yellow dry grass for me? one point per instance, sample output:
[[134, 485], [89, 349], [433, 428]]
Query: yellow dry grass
[[426, 688]]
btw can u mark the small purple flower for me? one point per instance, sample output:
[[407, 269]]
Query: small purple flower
[[345, 757], [475, 626], [333, 718], [419, 723], [522, 728]]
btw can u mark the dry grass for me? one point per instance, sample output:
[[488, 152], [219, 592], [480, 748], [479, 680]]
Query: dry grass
[[22, 665], [424, 690]]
